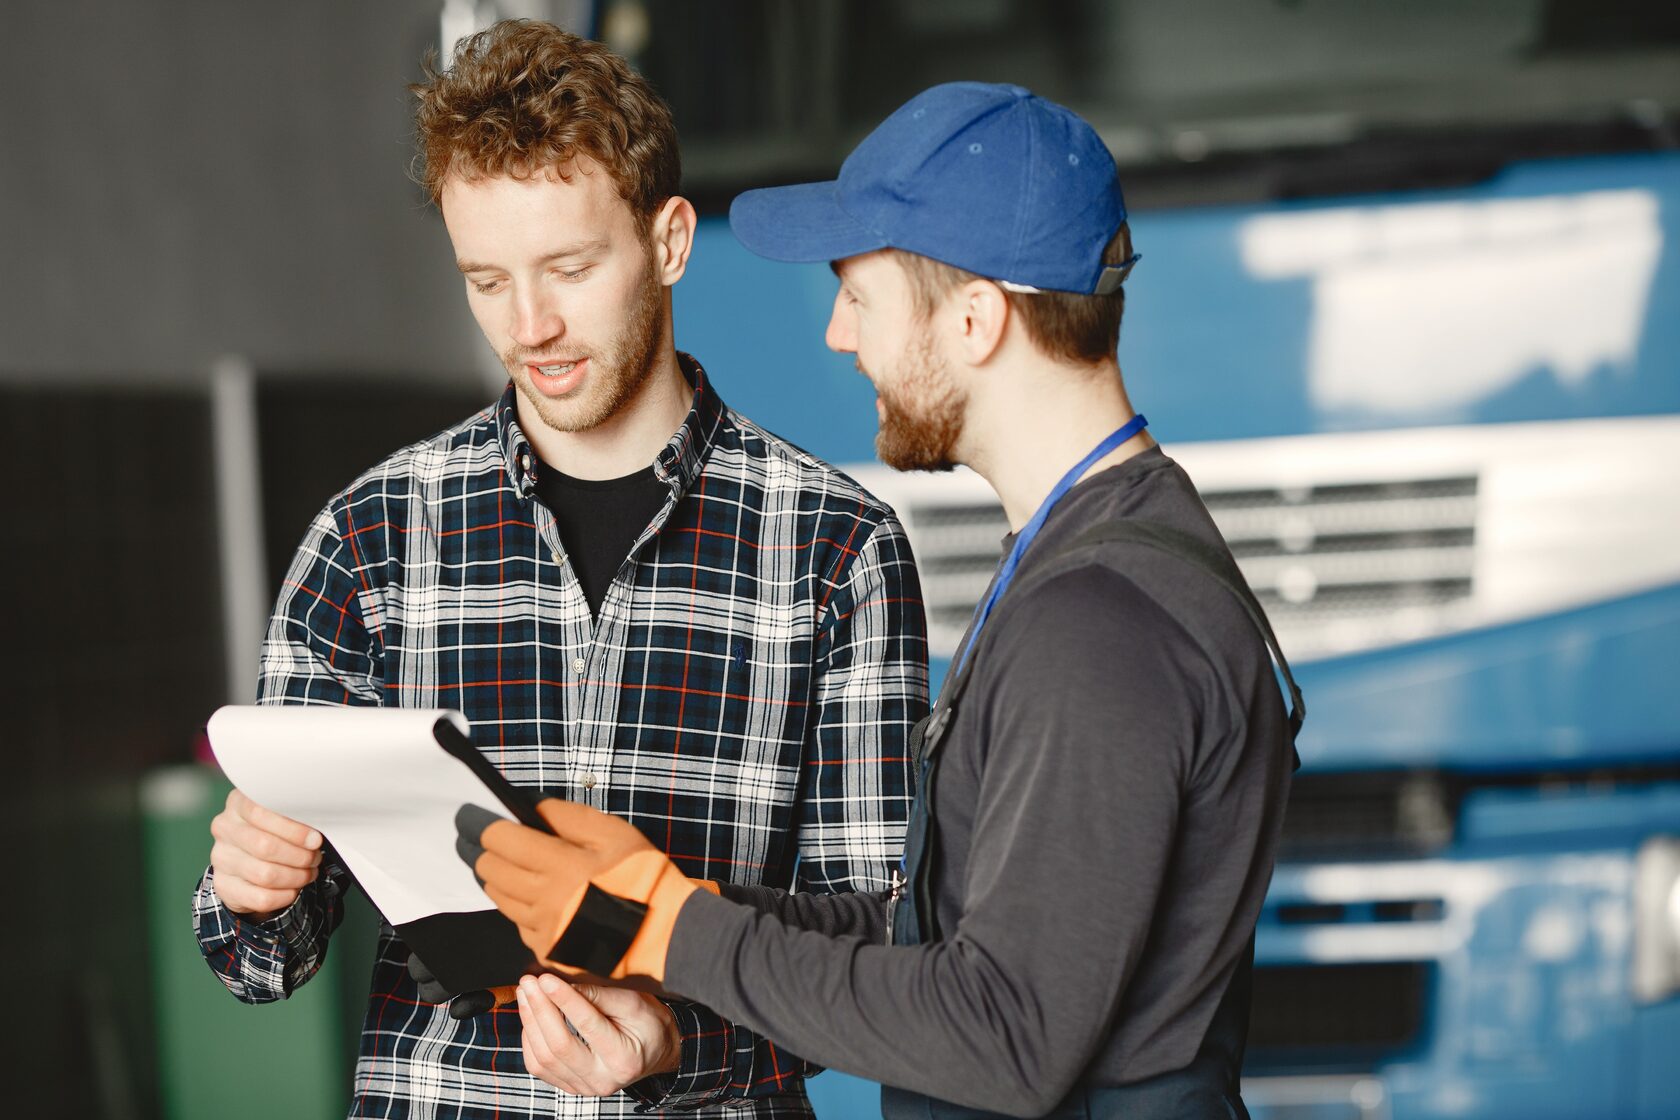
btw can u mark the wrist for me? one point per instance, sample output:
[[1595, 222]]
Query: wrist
[[669, 1058], [246, 914], [250, 914]]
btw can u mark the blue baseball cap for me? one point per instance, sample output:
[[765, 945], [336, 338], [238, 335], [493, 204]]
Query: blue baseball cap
[[990, 178]]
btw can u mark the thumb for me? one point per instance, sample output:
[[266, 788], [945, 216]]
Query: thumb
[[613, 1002]]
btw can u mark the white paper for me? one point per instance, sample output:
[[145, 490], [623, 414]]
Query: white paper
[[374, 782]]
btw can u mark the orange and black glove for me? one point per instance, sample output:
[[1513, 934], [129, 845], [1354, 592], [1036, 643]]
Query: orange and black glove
[[596, 898]]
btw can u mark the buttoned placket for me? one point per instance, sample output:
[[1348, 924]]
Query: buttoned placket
[[587, 642]]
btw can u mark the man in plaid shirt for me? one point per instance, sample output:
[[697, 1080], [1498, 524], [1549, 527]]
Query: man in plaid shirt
[[642, 601]]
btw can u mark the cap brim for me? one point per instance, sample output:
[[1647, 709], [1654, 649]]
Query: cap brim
[[801, 223]]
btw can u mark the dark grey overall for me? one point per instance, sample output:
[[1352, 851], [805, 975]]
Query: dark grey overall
[[1207, 1088]]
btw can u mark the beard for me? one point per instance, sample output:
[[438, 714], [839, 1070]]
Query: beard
[[617, 371], [921, 413]]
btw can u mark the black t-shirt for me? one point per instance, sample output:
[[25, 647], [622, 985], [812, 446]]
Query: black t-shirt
[[599, 520]]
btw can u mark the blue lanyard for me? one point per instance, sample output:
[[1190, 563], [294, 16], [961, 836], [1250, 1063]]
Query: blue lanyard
[[919, 815], [1029, 531]]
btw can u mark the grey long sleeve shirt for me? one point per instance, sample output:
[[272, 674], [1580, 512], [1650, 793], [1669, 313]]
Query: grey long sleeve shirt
[[1108, 805]]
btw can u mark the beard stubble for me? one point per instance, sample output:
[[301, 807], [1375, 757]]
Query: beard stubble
[[619, 372], [921, 413]]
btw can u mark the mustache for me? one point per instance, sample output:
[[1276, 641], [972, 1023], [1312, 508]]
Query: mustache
[[521, 355]]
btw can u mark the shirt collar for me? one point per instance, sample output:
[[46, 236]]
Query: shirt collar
[[678, 463]]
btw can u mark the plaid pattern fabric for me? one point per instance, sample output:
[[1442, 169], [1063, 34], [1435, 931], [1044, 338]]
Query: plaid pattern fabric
[[744, 698]]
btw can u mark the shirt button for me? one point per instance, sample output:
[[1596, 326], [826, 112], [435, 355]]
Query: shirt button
[[586, 780], [578, 664], [556, 555]]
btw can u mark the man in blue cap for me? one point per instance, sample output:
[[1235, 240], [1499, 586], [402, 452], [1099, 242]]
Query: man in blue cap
[[1104, 777]]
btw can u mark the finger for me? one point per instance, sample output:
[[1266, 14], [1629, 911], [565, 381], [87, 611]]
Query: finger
[[471, 821], [515, 881], [468, 1004], [417, 970], [244, 898], [583, 825], [434, 993], [231, 861], [249, 865], [616, 1004], [553, 1044], [264, 845], [478, 827], [592, 1026], [526, 846], [426, 985], [539, 1066], [468, 851], [569, 971], [293, 832], [521, 914]]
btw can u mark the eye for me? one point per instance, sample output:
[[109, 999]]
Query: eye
[[576, 274], [485, 287]]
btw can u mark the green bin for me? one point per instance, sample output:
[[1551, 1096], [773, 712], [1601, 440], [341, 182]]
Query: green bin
[[218, 1057]]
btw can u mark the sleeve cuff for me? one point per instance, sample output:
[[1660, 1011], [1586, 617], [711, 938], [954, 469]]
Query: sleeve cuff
[[703, 1070], [250, 956]]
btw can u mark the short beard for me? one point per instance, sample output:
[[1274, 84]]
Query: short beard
[[921, 413], [627, 363]]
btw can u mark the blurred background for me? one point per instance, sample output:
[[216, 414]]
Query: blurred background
[[1408, 311]]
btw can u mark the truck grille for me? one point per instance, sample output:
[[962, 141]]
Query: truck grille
[[1347, 566], [957, 549], [1337, 567], [1335, 1017], [1386, 814]]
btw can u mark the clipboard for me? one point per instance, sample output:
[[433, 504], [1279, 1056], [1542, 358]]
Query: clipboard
[[382, 785]]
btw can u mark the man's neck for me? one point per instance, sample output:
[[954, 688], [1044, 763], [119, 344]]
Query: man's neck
[[627, 441], [1025, 437]]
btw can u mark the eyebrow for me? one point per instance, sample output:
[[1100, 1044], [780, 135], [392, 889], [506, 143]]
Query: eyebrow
[[577, 249]]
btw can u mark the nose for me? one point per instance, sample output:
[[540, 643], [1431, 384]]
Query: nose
[[841, 335], [536, 320]]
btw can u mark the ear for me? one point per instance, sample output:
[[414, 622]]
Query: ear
[[671, 236], [982, 312]]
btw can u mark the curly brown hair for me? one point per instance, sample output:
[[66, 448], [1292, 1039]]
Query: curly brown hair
[[523, 97]]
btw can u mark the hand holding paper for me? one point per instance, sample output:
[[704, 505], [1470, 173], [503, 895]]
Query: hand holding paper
[[260, 860], [596, 898], [382, 785]]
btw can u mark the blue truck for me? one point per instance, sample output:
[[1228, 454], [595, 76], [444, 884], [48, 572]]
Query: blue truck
[[1441, 431]]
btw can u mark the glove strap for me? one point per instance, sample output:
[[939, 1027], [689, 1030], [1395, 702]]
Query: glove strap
[[600, 933]]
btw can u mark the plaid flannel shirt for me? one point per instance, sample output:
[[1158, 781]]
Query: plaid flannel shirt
[[744, 697]]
